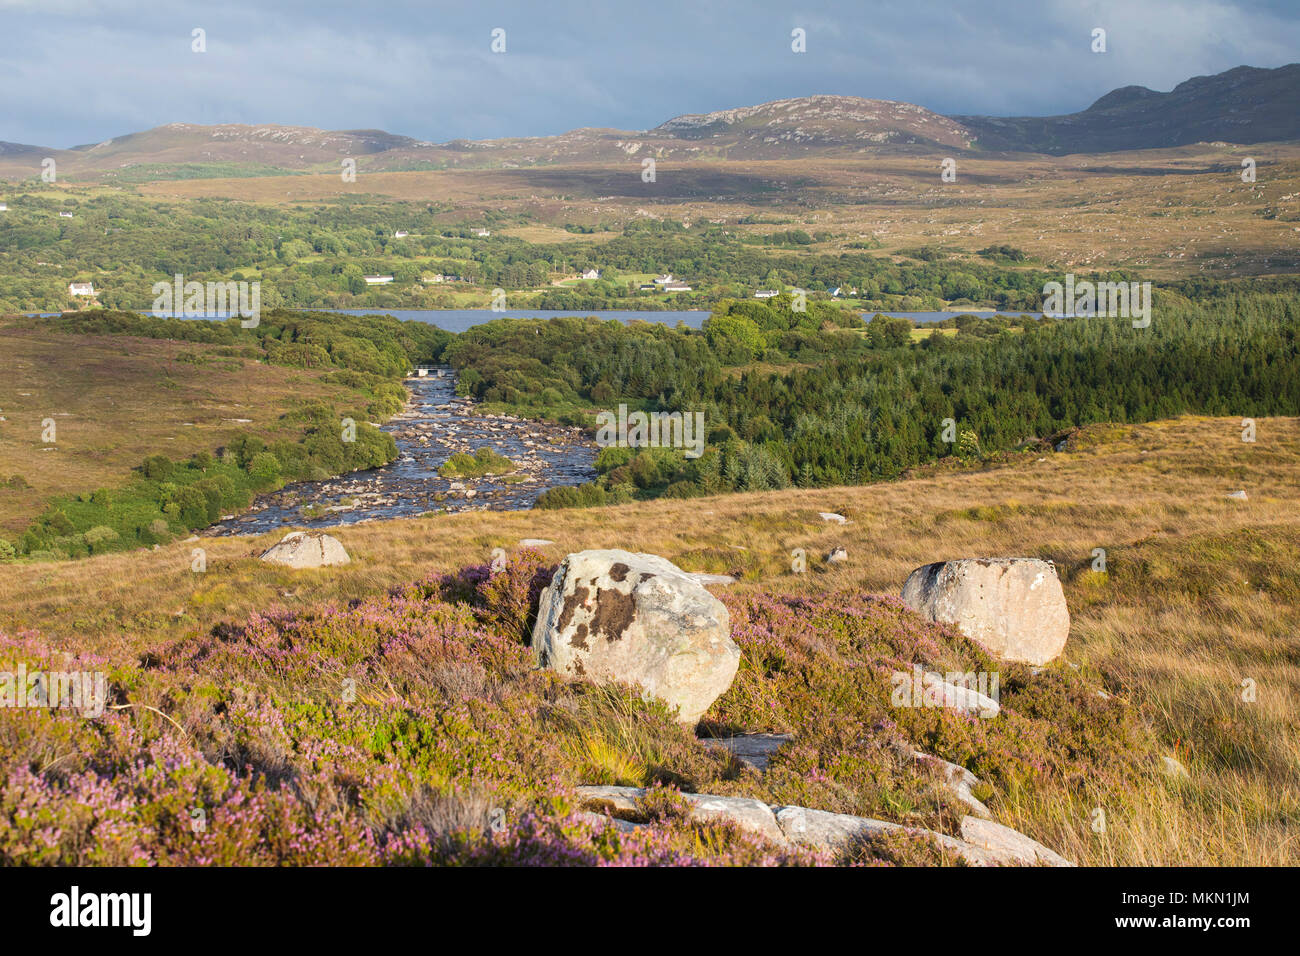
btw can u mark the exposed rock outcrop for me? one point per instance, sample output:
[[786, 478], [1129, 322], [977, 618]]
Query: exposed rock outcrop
[[982, 843]]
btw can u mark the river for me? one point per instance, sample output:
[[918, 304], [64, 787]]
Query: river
[[434, 425]]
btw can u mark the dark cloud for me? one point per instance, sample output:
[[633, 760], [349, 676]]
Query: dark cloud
[[75, 72]]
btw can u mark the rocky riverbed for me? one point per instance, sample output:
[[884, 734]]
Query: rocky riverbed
[[434, 426]]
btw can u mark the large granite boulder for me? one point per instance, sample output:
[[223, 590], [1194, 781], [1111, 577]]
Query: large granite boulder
[[637, 619], [1013, 607], [307, 549]]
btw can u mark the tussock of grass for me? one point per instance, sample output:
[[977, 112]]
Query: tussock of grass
[[484, 461]]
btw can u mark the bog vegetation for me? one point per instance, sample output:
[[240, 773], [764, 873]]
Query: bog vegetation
[[163, 497]]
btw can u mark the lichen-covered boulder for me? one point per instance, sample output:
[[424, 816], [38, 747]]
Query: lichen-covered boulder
[[307, 549], [637, 619], [1012, 607]]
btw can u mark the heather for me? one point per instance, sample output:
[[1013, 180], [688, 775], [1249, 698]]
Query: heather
[[412, 727]]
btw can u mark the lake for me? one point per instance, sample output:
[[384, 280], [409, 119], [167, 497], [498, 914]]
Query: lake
[[458, 320]]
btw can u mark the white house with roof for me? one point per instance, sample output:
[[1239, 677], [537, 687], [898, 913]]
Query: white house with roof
[[4, 207], [766, 294], [676, 287], [664, 279], [591, 273], [400, 234], [81, 288], [484, 233], [377, 280]]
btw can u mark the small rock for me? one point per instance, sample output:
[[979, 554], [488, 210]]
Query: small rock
[[754, 750], [600, 820], [824, 830], [748, 813], [535, 542], [1173, 768], [837, 556], [968, 700], [832, 516], [959, 780], [1238, 496], [837, 831]]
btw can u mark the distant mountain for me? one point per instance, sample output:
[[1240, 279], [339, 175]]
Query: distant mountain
[[1243, 105], [820, 121]]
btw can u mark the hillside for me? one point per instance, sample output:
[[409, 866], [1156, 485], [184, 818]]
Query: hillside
[[1242, 105], [786, 126], [449, 722]]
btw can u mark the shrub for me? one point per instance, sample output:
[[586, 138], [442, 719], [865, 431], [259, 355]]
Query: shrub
[[607, 459], [59, 523], [191, 507], [567, 496], [101, 538], [683, 489], [157, 467], [264, 470], [484, 461]]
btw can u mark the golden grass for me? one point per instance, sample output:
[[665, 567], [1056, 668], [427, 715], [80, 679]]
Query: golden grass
[[1201, 593]]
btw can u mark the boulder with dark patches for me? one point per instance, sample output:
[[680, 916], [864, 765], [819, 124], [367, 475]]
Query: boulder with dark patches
[[614, 616]]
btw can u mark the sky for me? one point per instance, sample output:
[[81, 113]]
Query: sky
[[80, 71]]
